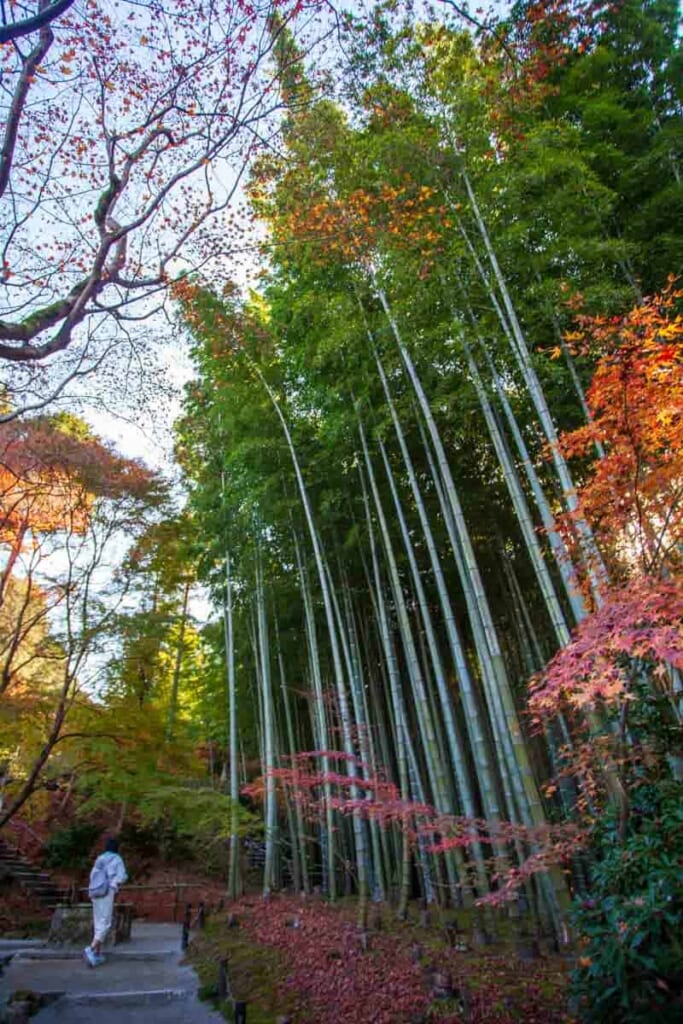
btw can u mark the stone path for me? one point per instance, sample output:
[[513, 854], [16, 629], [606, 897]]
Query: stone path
[[142, 981]]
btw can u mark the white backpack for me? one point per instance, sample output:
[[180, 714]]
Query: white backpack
[[99, 880]]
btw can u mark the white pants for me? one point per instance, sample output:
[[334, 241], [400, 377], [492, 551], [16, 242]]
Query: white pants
[[102, 913]]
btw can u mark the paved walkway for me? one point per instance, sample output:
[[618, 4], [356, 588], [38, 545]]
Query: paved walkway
[[142, 981]]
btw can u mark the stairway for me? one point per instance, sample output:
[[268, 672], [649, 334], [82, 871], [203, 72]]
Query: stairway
[[32, 880], [142, 981]]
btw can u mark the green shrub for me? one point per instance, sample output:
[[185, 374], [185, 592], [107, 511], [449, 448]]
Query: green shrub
[[631, 927], [159, 841], [71, 847]]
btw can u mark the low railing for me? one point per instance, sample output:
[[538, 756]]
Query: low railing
[[177, 891]]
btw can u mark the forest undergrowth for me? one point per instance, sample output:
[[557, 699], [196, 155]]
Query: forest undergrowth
[[305, 960]]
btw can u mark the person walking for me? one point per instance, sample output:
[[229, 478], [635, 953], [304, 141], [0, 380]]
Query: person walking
[[107, 875]]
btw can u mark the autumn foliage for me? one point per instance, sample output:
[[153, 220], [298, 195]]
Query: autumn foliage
[[632, 642], [354, 227], [378, 800], [49, 477], [634, 494], [642, 620]]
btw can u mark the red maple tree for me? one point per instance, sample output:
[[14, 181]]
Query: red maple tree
[[633, 496]]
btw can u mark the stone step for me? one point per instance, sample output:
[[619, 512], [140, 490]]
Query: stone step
[[44, 953], [141, 982], [34, 883], [119, 975], [143, 997], [19, 868], [30, 876], [170, 1011], [12, 945], [39, 883], [23, 865]]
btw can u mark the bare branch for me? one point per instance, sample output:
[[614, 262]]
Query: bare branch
[[26, 79], [154, 148], [47, 12]]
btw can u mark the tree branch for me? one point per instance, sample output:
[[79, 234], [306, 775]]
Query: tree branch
[[35, 324], [26, 79], [47, 12]]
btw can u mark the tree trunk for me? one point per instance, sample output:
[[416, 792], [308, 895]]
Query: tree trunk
[[234, 880], [173, 705]]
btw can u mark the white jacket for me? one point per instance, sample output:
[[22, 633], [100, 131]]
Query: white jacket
[[115, 869]]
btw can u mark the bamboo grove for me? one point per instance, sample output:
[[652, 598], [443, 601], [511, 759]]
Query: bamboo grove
[[386, 463]]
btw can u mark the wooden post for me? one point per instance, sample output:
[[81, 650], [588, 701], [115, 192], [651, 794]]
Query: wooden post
[[443, 986], [187, 922], [201, 915], [223, 982], [240, 1014]]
